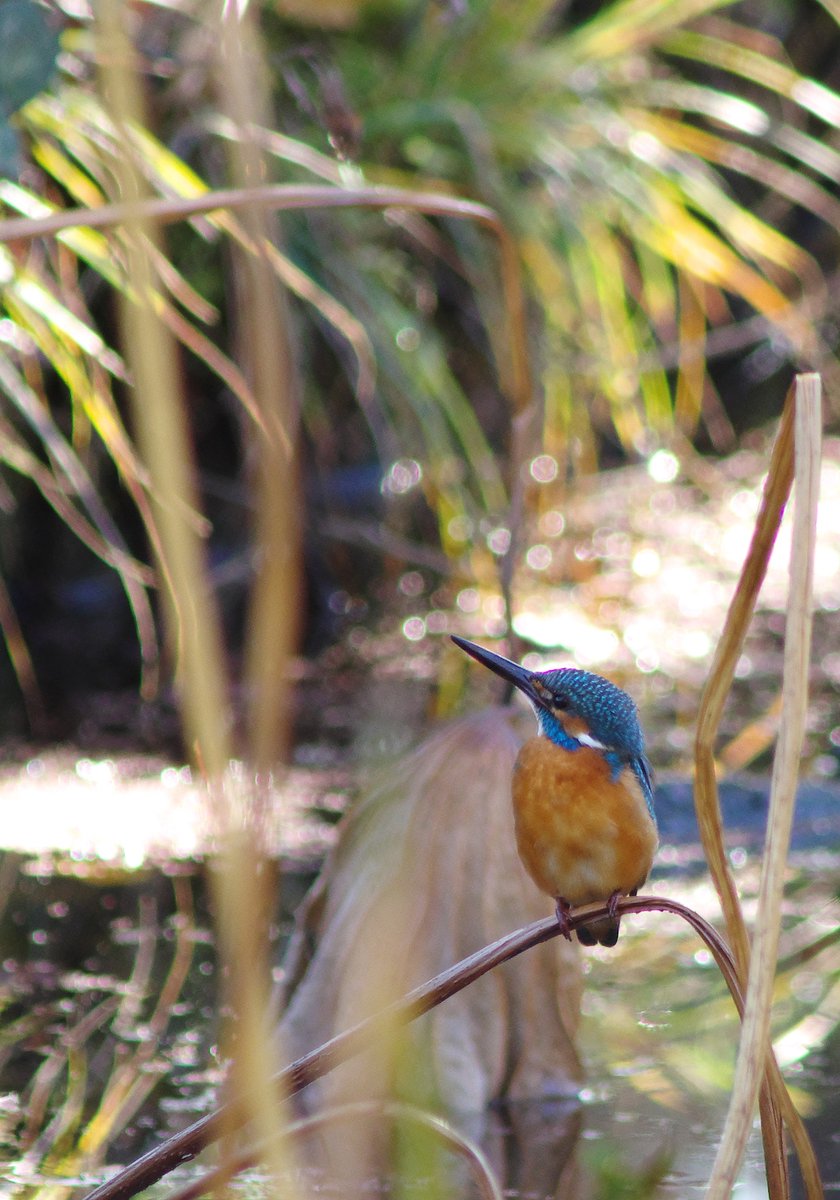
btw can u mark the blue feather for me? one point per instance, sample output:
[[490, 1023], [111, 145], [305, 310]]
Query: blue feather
[[610, 716]]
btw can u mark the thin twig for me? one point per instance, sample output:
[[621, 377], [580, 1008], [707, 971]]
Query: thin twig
[[169, 209], [289, 197]]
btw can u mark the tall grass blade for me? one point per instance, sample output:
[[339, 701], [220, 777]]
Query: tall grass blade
[[162, 435]]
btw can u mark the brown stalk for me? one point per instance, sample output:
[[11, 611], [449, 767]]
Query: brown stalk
[[721, 674], [706, 799], [776, 493], [162, 431], [786, 765]]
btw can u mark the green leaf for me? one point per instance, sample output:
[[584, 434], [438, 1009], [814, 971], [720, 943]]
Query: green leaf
[[30, 49], [9, 149]]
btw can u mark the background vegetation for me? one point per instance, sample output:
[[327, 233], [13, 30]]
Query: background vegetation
[[666, 176], [310, 309]]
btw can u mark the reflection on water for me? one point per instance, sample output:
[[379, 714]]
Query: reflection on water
[[87, 950], [619, 1144]]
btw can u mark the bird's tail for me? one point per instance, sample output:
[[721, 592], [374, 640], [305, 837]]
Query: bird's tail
[[605, 932]]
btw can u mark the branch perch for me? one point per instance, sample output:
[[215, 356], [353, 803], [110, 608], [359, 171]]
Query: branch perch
[[184, 1146]]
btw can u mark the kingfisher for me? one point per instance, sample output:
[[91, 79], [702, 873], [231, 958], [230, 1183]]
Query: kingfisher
[[582, 792]]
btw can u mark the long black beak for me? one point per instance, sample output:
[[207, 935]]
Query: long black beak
[[519, 676]]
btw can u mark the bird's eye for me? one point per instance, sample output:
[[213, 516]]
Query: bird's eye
[[559, 700]]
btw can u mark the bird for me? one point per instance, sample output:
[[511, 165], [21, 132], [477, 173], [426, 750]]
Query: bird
[[582, 791]]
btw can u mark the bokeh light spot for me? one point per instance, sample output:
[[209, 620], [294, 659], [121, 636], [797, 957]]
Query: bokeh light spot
[[459, 528], [401, 477], [411, 583], [414, 628], [552, 523], [498, 540], [646, 563], [696, 643], [663, 466], [408, 338], [538, 557], [468, 600], [544, 468]]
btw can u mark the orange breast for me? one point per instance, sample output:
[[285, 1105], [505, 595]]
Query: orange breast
[[581, 834]]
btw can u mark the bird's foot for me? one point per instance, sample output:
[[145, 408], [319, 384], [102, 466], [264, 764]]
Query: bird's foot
[[562, 909], [612, 904]]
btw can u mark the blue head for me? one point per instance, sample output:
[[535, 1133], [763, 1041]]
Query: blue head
[[576, 708], [578, 705]]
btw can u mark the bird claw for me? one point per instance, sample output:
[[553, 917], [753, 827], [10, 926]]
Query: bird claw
[[612, 905], [562, 908]]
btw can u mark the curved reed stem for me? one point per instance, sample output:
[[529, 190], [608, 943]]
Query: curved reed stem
[[451, 1138]]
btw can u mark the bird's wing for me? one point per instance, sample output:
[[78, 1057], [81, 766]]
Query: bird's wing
[[644, 774]]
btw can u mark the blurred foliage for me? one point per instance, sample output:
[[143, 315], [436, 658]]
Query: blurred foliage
[[30, 48], [665, 170]]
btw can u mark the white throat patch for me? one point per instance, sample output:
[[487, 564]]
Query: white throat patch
[[586, 739]]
